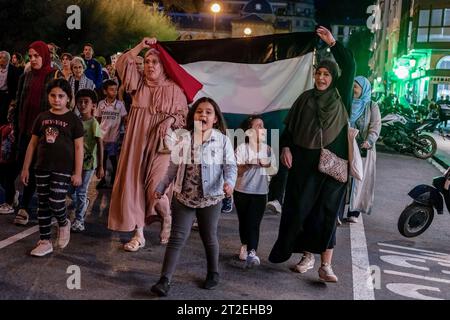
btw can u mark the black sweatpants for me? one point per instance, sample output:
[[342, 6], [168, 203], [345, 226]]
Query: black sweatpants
[[250, 209], [51, 189]]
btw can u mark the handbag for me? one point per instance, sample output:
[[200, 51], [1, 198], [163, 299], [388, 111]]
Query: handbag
[[330, 164], [354, 155]]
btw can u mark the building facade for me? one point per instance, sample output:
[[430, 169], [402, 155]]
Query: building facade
[[245, 18], [412, 50]]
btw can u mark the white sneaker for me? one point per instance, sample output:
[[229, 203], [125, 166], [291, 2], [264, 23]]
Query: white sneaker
[[306, 263], [43, 248], [252, 260], [63, 235], [274, 206], [326, 273], [352, 219], [243, 253], [6, 209]]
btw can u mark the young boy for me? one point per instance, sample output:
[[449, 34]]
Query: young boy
[[86, 100], [111, 113]]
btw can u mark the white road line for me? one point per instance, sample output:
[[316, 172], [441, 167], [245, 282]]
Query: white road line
[[415, 256], [362, 279], [9, 241], [413, 249], [415, 276]]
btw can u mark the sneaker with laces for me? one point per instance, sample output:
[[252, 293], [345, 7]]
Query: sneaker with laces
[[252, 260], [43, 248], [63, 235], [227, 205], [274, 206], [243, 253], [77, 226], [21, 218], [6, 209], [306, 263], [326, 273]]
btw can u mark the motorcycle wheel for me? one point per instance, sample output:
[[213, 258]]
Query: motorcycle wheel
[[414, 220], [425, 147]]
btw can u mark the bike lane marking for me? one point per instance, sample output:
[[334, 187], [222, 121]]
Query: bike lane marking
[[17, 237], [437, 254], [362, 276]]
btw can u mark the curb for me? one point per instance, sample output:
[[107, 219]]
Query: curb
[[440, 164]]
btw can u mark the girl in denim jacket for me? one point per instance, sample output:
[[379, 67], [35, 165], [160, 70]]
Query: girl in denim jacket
[[205, 172]]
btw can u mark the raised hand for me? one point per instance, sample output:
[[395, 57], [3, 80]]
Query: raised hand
[[146, 43], [325, 35]]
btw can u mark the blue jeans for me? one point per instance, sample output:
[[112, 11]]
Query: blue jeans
[[79, 195]]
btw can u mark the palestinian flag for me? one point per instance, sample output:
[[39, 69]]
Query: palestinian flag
[[256, 75]]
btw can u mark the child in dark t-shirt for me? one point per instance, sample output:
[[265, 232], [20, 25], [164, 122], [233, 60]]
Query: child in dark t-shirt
[[58, 138]]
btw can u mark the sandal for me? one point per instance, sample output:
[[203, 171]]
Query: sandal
[[21, 218], [134, 245]]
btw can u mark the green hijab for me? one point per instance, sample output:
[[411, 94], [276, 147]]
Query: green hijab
[[316, 109]]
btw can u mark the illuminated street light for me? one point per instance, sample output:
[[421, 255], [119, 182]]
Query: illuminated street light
[[247, 31], [215, 8]]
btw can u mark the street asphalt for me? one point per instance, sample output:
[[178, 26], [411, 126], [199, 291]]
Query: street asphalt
[[415, 268]]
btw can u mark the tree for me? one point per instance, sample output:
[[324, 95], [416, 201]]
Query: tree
[[109, 25]]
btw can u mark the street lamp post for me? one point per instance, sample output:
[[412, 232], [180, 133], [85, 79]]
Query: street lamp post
[[215, 8]]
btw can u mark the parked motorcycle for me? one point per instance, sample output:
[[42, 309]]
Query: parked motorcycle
[[407, 136], [417, 217]]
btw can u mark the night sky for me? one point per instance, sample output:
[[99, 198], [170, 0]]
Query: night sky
[[332, 10]]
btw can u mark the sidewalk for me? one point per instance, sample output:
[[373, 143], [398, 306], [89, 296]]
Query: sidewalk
[[442, 155]]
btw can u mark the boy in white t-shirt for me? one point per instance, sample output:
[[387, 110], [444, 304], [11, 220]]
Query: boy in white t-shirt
[[111, 114]]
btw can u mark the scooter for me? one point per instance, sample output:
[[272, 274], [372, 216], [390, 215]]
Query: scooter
[[417, 216]]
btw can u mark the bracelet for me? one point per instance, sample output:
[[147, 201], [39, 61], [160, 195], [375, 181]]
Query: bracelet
[[332, 45]]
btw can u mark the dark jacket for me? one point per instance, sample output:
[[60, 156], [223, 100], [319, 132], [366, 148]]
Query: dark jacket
[[13, 80]]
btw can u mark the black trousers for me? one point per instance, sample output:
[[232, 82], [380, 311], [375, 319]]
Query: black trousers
[[5, 99], [250, 209], [8, 174], [30, 189]]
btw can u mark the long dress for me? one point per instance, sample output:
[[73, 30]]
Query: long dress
[[362, 192], [140, 166], [312, 199]]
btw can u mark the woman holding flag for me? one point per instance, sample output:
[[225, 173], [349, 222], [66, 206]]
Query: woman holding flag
[[159, 102]]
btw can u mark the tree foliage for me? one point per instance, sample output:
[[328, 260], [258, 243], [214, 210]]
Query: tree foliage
[[111, 25]]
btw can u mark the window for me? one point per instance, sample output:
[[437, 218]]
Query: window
[[422, 35], [439, 34], [434, 25], [444, 63], [447, 17], [424, 18], [436, 18], [297, 23]]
